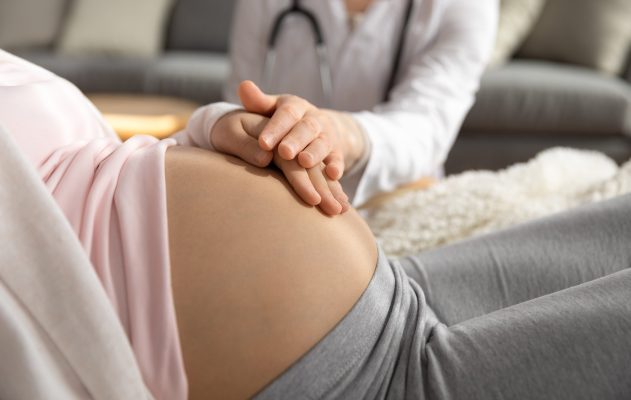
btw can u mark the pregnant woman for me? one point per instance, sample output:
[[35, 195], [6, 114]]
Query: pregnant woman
[[228, 285]]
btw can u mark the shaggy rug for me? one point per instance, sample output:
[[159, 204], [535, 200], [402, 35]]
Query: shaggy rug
[[477, 202]]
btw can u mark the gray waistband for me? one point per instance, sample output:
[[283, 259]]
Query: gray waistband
[[338, 353], [372, 350]]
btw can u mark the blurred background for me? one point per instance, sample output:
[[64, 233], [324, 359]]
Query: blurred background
[[560, 73]]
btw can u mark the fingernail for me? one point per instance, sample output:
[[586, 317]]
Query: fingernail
[[288, 150], [333, 173], [308, 159], [267, 141]]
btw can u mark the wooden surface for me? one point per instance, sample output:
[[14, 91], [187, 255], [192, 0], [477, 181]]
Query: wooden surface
[[132, 114], [381, 199]]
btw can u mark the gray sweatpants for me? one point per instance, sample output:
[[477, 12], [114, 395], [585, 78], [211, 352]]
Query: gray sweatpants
[[539, 311]]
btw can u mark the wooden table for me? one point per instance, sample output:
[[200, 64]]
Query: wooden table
[[140, 114], [383, 198]]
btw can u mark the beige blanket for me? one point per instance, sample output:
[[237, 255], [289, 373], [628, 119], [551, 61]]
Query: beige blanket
[[477, 202], [59, 336]]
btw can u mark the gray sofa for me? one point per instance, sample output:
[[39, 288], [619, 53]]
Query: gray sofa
[[526, 106], [193, 65], [529, 105], [522, 107]]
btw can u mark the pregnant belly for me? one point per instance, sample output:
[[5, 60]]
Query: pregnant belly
[[258, 277]]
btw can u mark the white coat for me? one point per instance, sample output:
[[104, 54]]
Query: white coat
[[446, 48]]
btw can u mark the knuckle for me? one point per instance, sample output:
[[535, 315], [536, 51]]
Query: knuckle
[[312, 124], [284, 98], [328, 146], [292, 111], [304, 103], [322, 146], [292, 98]]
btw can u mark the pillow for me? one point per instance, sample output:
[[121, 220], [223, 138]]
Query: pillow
[[517, 17], [592, 33], [200, 25], [115, 27], [30, 23]]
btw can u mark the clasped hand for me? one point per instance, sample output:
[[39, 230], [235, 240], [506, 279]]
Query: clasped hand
[[299, 138]]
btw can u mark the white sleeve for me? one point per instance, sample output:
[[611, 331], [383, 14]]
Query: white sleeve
[[412, 133], [248, 45], [201, 123]]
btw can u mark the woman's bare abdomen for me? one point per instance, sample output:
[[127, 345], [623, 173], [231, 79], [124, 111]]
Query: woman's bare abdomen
[[258, 277]]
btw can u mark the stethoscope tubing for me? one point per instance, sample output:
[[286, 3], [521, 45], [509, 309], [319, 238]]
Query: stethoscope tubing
[[324, 67], [326, 80]]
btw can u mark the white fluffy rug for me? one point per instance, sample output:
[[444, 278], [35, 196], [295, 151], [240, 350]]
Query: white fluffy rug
[[477, 202]]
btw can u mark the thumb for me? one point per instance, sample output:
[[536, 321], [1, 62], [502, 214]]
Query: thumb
[[254, 100]]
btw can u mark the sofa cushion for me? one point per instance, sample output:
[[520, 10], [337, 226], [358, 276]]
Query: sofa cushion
[[93, 73], [115, 27], [492, 151], [194, 75], [592, 33], [20, 26], [543, 97], [200, 25], [517, 17]]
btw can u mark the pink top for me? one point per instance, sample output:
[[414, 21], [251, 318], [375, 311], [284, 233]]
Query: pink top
[[114, 196]]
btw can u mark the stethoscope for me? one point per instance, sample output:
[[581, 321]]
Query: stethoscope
[[326, 80]]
